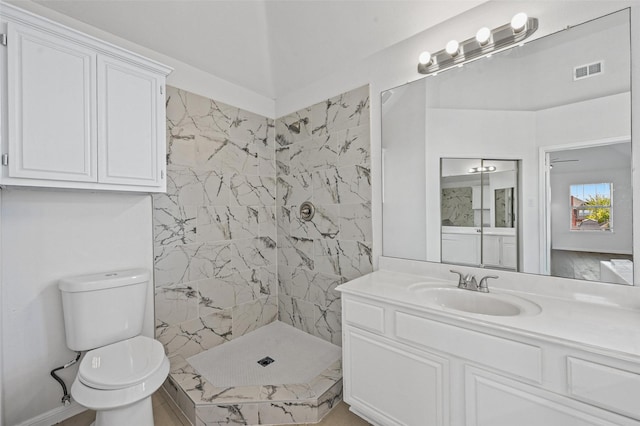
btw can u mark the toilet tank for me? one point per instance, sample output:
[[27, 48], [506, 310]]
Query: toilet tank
[[100, 309]]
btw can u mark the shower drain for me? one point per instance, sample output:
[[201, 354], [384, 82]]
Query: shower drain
[[266, 361]]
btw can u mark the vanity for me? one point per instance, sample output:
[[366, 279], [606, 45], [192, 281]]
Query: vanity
[[420, 351]]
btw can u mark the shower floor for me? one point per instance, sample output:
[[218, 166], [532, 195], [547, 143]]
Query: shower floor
[[292, 357], [226, 385]]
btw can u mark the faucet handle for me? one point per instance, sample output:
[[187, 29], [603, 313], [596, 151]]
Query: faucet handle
[[483, 286], [462, 279]]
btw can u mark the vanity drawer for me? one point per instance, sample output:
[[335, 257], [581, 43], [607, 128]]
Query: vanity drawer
[[365, 315], [604, 386], [505, 355]]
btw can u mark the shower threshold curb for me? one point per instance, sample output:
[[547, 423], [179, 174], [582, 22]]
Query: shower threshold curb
[[207, 405]]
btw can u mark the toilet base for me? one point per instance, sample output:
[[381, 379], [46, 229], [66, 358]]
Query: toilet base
[[137, 414]]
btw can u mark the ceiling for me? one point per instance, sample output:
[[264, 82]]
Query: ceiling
[[271, 47]]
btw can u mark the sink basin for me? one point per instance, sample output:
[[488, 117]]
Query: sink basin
[[474, 302]]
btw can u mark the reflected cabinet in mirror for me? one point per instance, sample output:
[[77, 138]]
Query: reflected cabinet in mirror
[[518, 161]]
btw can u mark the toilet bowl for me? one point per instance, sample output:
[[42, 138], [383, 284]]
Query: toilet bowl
[[117, 381]]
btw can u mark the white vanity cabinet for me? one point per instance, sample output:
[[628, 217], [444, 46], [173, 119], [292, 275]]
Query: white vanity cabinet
[[463, 245], [78, 112], [405, 366]]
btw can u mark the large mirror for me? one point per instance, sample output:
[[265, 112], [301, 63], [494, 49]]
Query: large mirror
[[539, 137]]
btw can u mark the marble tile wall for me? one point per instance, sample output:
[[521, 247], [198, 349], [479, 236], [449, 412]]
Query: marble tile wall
[[456, 206], [323, 156], [215, 228], [224, 265]]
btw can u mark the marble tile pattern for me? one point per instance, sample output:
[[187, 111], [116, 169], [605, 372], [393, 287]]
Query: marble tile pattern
[[205, 404], [456, 206], [322, 155], [215, 229]]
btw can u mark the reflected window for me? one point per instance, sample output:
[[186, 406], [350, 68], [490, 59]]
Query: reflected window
[[591, 207]]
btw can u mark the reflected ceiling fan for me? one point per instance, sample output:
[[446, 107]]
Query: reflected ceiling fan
[[553, 161]]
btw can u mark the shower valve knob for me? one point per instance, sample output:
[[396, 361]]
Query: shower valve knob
[[307, 211]]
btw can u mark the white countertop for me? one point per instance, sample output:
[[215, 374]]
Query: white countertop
[[476, 230], [609, 328]]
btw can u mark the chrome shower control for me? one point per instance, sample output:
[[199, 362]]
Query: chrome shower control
[[307, 210]]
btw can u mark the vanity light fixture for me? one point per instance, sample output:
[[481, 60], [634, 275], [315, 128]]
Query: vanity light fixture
[[425, 58], [518, 22], [453, 48], [483, 169], [484, 43], [483, 36]]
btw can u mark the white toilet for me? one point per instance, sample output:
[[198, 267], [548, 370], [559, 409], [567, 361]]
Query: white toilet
[[104, 313]]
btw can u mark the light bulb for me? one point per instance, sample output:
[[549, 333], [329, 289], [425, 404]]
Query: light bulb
[[452, 47], [519, 21], [483, 35], [425, 58]]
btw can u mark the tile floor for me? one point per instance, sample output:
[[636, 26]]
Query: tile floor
[[580, 265], [165, 413]]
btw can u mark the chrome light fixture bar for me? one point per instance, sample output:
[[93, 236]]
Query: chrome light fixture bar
[[485, 42]]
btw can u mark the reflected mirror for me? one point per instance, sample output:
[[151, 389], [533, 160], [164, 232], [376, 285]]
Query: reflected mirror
[[478, 202], [553, 117]]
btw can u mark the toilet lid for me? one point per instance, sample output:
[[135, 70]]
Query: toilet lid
[[121, 364]]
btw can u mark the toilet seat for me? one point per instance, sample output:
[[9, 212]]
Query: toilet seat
[[121, 365]]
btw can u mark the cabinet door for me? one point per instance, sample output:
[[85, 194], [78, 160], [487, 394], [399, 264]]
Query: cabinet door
[[131, 120], [491, 248], [461, 248], [509, 252], [51, 98], [394, 385], [492, 400]]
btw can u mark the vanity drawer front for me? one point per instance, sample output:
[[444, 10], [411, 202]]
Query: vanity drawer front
[[506, 355], [370, 317], [604, 386]]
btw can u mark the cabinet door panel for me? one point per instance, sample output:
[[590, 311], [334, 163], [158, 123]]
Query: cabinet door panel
[[495, 401], [491, 245], [398, 386], [461, 248], [130, 115], [52, 83], [509, 253]]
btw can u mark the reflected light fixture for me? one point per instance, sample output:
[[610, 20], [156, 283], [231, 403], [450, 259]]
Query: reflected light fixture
[[484, 43], [482, 169]]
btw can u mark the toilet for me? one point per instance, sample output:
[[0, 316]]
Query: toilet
[[104, 314]]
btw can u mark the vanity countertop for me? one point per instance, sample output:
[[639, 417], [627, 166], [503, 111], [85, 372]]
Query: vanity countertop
[[608, 328], [476, 230]]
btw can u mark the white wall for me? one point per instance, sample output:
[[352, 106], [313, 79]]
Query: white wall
[[46, 235]]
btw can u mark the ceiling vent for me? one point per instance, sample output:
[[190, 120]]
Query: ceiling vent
[[589, 70]]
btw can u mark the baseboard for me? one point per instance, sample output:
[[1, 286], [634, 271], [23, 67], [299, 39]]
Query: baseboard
[[55, 416]]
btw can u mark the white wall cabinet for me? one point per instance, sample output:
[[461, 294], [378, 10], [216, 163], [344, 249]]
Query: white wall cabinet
[[403, 366], [80, 113], [131, 123], [51, 107]]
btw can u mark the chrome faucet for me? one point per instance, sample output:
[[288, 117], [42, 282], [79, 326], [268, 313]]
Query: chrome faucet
[[468, 282]]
